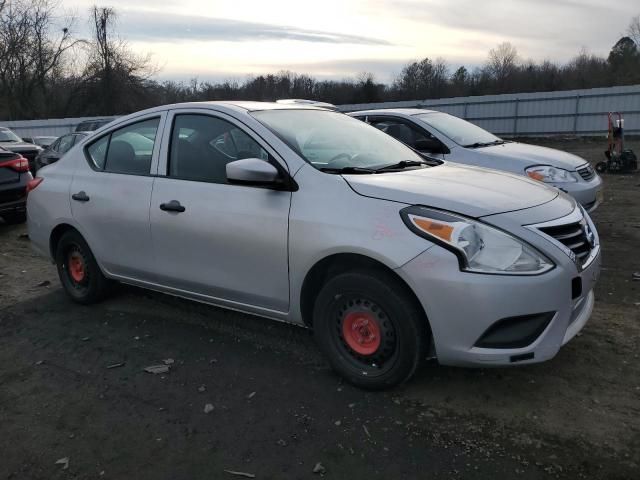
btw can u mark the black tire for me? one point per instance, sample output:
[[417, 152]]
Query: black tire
[[90, 287], [601, 167], [398, 319], [15, 218]]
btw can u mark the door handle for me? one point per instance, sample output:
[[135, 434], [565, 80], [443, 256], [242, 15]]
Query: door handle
[[172, 206], [80, 196]]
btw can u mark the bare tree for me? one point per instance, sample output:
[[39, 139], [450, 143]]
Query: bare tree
[[634, 30], [31, 50], [423, 79], [502, 63], [114, 80]]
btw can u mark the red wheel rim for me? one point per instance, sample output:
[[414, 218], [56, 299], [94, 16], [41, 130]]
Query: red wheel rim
[[361, 332], [76, 267]]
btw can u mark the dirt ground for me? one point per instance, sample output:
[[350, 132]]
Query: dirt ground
[[278, 410]]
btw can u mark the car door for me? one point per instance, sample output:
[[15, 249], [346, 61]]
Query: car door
[[111, 192], [210, 238]]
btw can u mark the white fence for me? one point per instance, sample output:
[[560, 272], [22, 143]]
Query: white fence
[[47, 128], [570, 112]]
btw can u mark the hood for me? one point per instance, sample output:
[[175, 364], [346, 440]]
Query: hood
[[518, 156], [19, 146], [470, 191]]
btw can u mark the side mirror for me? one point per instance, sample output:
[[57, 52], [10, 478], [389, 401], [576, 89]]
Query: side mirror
[[252, 171], [429, 145]]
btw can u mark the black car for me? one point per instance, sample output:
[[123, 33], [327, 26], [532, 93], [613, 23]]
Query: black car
[[58, 148], [14, 181], [92, 125], [41, 141], [12, 142]]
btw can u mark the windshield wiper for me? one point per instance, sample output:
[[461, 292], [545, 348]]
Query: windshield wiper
[[347, 170], [484, 144], [402, 164]]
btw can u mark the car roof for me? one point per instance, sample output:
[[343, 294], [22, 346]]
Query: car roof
[[238, 105], [393, 111], [93, 120], [233, 105], [252, 106]]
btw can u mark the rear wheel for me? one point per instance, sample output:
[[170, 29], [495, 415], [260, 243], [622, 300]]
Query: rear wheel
[[78, 270], [372, 330]]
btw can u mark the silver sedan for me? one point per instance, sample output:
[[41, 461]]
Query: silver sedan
[[451, 138], [304, 215]]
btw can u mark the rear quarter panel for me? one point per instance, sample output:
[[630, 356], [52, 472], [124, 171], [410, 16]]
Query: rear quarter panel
[[49, 205]]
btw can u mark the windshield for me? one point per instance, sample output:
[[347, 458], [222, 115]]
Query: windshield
[[460, 131], [330, 140], [9, 136]]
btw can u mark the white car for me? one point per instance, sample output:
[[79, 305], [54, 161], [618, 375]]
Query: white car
[[305, 215], [451, 138]]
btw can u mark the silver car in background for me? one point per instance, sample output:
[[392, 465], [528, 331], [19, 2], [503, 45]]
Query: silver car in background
[[308, 216], [451, 138]]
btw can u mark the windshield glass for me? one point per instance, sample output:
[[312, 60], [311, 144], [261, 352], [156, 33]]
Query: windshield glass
[[9, 136], [333, 140], [460, 131]]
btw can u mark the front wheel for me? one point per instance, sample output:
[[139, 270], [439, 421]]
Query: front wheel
[[78, 270], [372, 330]]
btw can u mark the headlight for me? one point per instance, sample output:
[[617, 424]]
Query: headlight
[[479, 247], [549, 174]]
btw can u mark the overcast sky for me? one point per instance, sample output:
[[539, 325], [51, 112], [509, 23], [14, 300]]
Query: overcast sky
[[218, 39]]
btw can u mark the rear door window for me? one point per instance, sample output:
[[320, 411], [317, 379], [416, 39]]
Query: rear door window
[[98, 152], [127, 150]]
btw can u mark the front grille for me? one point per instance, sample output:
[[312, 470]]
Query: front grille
[[587, 172], [577, 237]]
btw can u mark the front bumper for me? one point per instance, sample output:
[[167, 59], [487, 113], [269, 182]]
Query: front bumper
[[461, 307], [588, 194]]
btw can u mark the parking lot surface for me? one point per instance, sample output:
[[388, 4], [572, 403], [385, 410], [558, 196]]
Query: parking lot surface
[[73, 387]]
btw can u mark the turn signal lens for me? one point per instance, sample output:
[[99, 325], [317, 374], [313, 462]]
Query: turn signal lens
[[549, 174], [536, 176], [437, 229]]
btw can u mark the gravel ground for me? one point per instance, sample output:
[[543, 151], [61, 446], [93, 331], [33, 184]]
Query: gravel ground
[[277, 410]]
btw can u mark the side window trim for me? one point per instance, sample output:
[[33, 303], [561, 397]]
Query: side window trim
[[161, 116]]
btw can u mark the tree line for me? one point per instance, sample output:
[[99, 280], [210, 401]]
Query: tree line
[[45, 72]]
